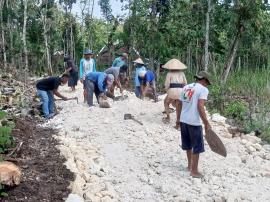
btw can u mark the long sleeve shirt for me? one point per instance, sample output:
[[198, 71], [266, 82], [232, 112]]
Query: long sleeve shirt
[[138, 69], [87, 66], [118, 62], [98, 78], [175, 77]]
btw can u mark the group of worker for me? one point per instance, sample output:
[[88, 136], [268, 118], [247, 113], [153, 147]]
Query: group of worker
[[188, 99], [100, 84]]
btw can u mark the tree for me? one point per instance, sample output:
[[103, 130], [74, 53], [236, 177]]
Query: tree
[[246, 11], [25, 54], [206, 52], [3, 44]]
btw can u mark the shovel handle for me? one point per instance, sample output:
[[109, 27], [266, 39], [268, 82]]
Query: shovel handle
[[139, 122]]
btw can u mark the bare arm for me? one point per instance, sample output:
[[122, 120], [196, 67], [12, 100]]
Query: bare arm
[[178, 110], [118, 84], [59, 95], [142, 91], [201, 109], [167, 82]]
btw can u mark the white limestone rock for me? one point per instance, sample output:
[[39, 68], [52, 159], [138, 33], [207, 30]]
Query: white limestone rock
[[74, 198]]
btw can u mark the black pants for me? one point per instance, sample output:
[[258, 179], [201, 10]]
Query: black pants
[[91, 88]]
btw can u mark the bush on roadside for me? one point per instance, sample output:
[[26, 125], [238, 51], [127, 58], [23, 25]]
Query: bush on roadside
[[236, 110], [6, 140]]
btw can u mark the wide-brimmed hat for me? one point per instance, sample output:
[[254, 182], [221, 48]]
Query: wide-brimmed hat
[[88, 52], [142, 73], [175, 64], [139, 61], [125, 55], [110, 79], [203, 75]]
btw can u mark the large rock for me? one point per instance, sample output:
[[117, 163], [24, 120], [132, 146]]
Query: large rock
[[10, 174], [257, 146], [251, 149], [267, 147], [74, 198], [251, 138], [218, 118]]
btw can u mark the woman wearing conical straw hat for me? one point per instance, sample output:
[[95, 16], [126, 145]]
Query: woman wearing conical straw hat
[[139, 64], [175, 81]]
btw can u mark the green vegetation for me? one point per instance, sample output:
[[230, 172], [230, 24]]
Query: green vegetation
[[245, 98], [6, 140], [2, 114]]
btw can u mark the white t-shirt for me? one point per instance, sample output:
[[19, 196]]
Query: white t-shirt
[[190, 96], [88, 66]]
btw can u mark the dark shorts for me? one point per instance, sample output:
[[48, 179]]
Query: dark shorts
[[73, 79], [192, 138]]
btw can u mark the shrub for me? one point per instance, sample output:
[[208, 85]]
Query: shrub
[[6, 141], [2, 114], [236, 110]]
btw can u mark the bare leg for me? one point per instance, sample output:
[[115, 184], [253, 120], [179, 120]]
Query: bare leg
[[178, 112], [194, 166], [189, 157], [167, 105], [84, 95]]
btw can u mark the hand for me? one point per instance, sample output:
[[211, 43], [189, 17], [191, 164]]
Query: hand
[[103, 96]]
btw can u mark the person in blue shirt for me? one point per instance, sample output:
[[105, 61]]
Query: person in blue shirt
[[139, 64], [97, 82], [120, 61], [148, 82], [87, 65]]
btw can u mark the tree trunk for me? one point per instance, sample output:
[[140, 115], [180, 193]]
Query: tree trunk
[[25, 54], [206, 52], [3, 34], [232, 54], [45, 35], [10, 30], [197, 55], [239, 63]]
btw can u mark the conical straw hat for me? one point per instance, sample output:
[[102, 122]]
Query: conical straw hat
[[139, 61], [175, 64]]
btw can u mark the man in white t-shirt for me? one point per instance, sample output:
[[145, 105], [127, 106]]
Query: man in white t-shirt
[[192, 108]]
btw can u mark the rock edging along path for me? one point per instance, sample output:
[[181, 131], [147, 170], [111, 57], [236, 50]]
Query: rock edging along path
[[119, 160]]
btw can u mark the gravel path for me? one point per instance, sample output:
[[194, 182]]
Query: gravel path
[[119, 160]]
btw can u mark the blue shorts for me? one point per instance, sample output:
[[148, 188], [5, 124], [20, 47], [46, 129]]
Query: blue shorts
[[192, 138]]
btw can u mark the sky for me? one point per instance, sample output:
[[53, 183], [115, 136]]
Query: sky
[[115, 4]]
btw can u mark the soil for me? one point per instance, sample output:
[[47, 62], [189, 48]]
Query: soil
[[45, 177]]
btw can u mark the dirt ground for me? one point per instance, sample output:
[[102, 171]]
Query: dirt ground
[[45, 177]]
